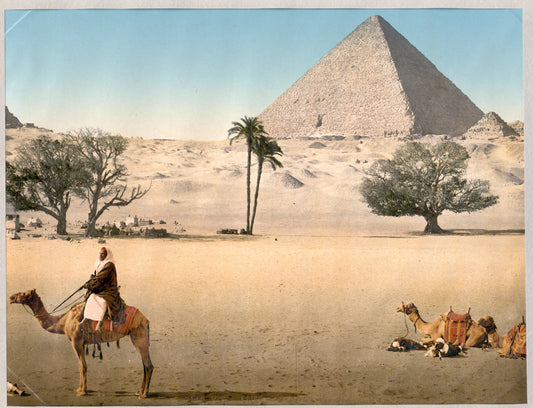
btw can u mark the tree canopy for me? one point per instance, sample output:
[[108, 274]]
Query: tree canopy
[[44, 176], [265, 149], [425, 180]]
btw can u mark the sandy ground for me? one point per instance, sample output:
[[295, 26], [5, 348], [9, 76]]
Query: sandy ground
[[275, 319]]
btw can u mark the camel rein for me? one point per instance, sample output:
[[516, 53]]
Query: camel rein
[[65, 307]]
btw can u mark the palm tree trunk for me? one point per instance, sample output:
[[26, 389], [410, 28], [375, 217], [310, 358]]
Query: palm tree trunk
[[248, 187], [259, 172]]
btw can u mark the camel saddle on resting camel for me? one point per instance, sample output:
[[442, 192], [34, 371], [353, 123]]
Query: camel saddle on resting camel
[[456, 326], [516, 339]]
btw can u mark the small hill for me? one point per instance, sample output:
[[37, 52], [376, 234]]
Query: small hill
[[491, 125], [12, 121]]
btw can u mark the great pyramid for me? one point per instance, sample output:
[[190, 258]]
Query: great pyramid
[[374, 82]]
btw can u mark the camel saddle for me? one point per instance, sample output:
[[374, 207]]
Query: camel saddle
[[456, 326], [517, 339], [108, 325]]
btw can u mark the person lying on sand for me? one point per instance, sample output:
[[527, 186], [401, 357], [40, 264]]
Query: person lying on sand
[[103, 291]]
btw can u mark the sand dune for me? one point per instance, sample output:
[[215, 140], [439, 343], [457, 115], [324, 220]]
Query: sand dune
[[300, 313]]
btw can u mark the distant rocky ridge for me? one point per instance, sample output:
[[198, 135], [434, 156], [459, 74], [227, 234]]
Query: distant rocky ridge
[[11, 120], [373, 83], [518, 127], [491, 125]]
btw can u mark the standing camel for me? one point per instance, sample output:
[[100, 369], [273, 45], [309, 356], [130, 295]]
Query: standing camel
[[78, 335], [476, 335]]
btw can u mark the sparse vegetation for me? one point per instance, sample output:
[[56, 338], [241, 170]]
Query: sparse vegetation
[[266, 149], [99, 152], [249, 129], [44, 176], [425, 180]]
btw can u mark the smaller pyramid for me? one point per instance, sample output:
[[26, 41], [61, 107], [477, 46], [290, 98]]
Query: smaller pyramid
[[491, 125]]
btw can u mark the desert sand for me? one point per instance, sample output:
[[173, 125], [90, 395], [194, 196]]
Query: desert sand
[[297, 320], [300, 313]]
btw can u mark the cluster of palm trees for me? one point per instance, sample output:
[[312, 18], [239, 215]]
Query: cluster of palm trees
[[264, 148]]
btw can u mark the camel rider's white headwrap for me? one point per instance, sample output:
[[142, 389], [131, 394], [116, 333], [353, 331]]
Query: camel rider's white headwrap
[[99, 265]]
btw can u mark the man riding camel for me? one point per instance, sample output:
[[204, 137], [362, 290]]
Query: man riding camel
[[103, 290]]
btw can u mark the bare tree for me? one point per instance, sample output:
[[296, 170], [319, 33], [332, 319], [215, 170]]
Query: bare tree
[[100, 152]]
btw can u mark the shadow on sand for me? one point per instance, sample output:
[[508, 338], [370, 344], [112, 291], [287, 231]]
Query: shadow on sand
[[475, 232], [224, 397], [455, 232]]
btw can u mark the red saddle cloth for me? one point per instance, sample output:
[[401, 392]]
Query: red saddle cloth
[[456, 326], [517, 338], [107, 325]]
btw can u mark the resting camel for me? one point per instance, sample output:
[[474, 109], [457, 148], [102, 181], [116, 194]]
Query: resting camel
[[503, 344], [476, 336], [495, 340], [69, 325]]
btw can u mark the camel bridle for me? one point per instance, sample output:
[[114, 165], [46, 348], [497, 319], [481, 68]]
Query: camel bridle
[[409, 309]]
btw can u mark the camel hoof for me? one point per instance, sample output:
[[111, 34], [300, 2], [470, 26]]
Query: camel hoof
[[141, 394], [81, 393]]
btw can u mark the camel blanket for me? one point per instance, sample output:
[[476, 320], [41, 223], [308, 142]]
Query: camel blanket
[[107, 325], [517, 339], [456, 327]]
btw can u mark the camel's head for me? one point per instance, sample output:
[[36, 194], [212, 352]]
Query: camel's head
[[407, 309], [23, 297], [488, 323]]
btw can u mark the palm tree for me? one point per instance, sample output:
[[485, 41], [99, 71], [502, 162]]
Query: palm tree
[[248, 129], [266, 149]]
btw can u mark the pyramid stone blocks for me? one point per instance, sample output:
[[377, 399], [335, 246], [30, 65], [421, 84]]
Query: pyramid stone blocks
[[372, 83]]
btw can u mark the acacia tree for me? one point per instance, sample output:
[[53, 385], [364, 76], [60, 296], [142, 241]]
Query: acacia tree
[[44, 176], [248, 129], [100, 153], [266, 149], [425, 180]]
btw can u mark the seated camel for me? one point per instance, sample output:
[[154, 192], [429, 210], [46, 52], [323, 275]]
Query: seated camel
[[495, 340], [476, 335], [513, 344]]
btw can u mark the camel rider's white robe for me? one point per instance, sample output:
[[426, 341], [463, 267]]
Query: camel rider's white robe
[[96, 306]]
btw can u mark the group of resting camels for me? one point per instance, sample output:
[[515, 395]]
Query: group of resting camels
[[480, 334]]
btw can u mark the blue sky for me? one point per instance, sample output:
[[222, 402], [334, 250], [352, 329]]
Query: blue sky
[[187, 74]]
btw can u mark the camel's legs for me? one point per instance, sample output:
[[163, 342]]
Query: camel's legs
[[475, 339], [140, 338], [78, 348]]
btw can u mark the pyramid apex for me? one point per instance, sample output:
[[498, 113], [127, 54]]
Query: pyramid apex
[[375, 19]]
